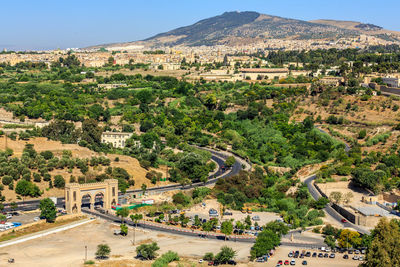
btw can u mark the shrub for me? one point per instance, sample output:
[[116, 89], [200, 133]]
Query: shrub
[[180, 198], [165, 259], [7, 179], [59, 181]]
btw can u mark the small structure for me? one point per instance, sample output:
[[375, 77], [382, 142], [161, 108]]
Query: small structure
[[117, 139], [106, 191]]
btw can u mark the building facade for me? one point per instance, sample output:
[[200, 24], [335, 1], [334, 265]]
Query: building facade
[[116, 139]]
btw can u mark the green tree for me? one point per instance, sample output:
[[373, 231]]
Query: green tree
[[226, 228], [48, 210], [124, 229], [103, 251], [230, 161], [385, 246], [147, 251], [59, 181], [144, 188], [123, 213], [26, 188], [225, 255], [266, 240]]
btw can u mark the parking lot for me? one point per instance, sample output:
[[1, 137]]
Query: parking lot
[[24, 217], [282, 253]]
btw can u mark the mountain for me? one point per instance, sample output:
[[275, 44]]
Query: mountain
[[232, 28], [236, 27]]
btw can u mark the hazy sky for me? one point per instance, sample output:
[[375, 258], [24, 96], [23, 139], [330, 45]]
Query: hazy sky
[[41, 24]]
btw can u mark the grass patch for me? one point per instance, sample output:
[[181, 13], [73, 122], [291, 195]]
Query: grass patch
[[89, 262], [15, 233]]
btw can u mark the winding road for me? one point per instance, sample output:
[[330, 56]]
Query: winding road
[[217, 156]]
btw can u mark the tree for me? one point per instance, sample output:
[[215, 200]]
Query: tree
[[59, 181], [385, 248], [336, 197], [48, 210], [226, 228], [135, 219], [330, 241], [321, 203], [180, 198], [209, 256], [230, 161], [347, 197], [349, 238], [147, 251], [144, 187], [123, 213], [103, 251], [266, 240], [26, 188], [124, 229], [225, 255]]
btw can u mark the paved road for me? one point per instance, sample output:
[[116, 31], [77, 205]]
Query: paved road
[[218, 157], [195, 234], [328, 209]]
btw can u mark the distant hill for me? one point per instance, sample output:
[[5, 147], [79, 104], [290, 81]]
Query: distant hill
[[245, 27]]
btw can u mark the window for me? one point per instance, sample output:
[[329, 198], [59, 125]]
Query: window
[[113, 191], [74, 196]]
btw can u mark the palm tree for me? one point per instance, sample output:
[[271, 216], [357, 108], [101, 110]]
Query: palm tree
[[135, 218]]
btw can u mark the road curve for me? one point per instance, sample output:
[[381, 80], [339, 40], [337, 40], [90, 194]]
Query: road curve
[[217, 156]]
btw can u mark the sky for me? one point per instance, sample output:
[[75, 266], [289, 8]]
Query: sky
[[52, 24]]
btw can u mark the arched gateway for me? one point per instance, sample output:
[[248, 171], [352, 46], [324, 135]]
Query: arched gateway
[[107, 191]]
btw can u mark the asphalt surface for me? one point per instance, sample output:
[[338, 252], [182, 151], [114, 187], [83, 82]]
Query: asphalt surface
[[221, 173], [190, 233], [328, 209]]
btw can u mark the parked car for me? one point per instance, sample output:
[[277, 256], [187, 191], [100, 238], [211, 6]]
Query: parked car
[[320, 255], [201, 261], [8, 216], [290, 255], [356, 251], [326, 255], [36, 219], [16, 224], [344, 221], [228, 213], [314, 254], [332, 255], [280, 262], [345, 256], [355, 257], [286, 262], [293, 262], [232, 262], [304, 263], [308, 254], [361, 258], [256, 218]]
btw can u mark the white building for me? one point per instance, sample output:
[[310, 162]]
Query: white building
[[116, 139]]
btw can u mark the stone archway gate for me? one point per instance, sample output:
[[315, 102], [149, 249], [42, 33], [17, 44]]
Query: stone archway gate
[[74, 193]]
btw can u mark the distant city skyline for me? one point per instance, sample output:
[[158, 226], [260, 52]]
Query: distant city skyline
[[45, 24]]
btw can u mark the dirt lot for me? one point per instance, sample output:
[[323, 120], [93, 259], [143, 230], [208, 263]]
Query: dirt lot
[[68, 248], [41, 144]]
